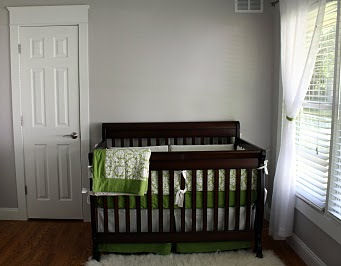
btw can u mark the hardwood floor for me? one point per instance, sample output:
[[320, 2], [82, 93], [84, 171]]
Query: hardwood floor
[[42, 242], [281, 249]]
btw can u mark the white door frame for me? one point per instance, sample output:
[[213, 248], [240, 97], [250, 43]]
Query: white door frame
[[48, 16]]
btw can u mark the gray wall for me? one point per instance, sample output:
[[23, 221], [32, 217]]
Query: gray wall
[[8, 193], [326, 248], [164, 60]]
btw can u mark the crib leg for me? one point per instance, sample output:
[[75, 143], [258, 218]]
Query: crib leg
[[255, 229], [259, 249], [96, 255], [259, 215], [258, 235]]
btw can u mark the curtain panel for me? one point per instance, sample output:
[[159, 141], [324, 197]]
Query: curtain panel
[[299, 47]]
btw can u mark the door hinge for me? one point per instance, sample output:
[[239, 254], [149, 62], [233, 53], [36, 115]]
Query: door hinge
[[25, 190], [19, 48], [22, 120]]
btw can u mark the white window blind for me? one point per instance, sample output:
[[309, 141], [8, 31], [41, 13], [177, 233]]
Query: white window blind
[[313, 124]]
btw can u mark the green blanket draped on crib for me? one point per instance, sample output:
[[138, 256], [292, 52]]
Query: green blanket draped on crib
[[121, 170]]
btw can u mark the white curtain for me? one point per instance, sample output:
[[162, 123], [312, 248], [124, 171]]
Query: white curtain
[[299, 47]]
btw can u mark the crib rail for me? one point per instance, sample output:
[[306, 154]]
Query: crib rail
[[184, 133]]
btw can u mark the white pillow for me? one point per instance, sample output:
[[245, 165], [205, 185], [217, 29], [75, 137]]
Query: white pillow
[[215, 147], [162, 148]]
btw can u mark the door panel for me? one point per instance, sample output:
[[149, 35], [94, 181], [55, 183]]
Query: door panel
[[50, 107], [40, 171], [61, 100]]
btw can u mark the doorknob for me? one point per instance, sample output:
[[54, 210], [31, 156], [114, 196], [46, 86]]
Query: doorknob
[[73, 135]]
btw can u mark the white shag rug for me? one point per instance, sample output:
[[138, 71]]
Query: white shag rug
[[230, 258]]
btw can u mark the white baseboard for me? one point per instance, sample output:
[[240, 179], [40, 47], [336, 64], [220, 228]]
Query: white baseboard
[[11, 214], [304, 252]]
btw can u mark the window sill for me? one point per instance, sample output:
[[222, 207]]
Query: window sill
[[325, 222]]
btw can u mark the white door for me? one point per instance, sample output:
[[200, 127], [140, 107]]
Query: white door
[[50, 107]]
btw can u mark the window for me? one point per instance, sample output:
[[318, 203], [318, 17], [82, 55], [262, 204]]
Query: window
[[318, 125]]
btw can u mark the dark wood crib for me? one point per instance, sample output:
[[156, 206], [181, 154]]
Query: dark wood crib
[[247, 156]]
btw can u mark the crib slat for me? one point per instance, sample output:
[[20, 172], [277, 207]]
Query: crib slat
[[227, 198], [113, 142], [117, 220], [149, 202], [127, 211], [202, 140], [184, 141], [105, 210], [248, 198], [220, 140], [215, 205], [204, 211], [160, 200], [131, 142], [237, 205], [138, 213], [167, 141], [149, 142], [211, 140], [171, 200], [193, 140], [183, 207], [140, 142], [194, 200], [175, 141], [157, 141], [122, 142]]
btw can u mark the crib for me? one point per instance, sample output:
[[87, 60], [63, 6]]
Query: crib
[[115, 220]]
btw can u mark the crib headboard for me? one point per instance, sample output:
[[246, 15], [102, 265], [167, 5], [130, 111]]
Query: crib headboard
[[163, 132]]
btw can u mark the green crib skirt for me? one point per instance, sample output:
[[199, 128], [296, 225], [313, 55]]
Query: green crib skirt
[[166, 248], [200, 247], [157, 248]]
